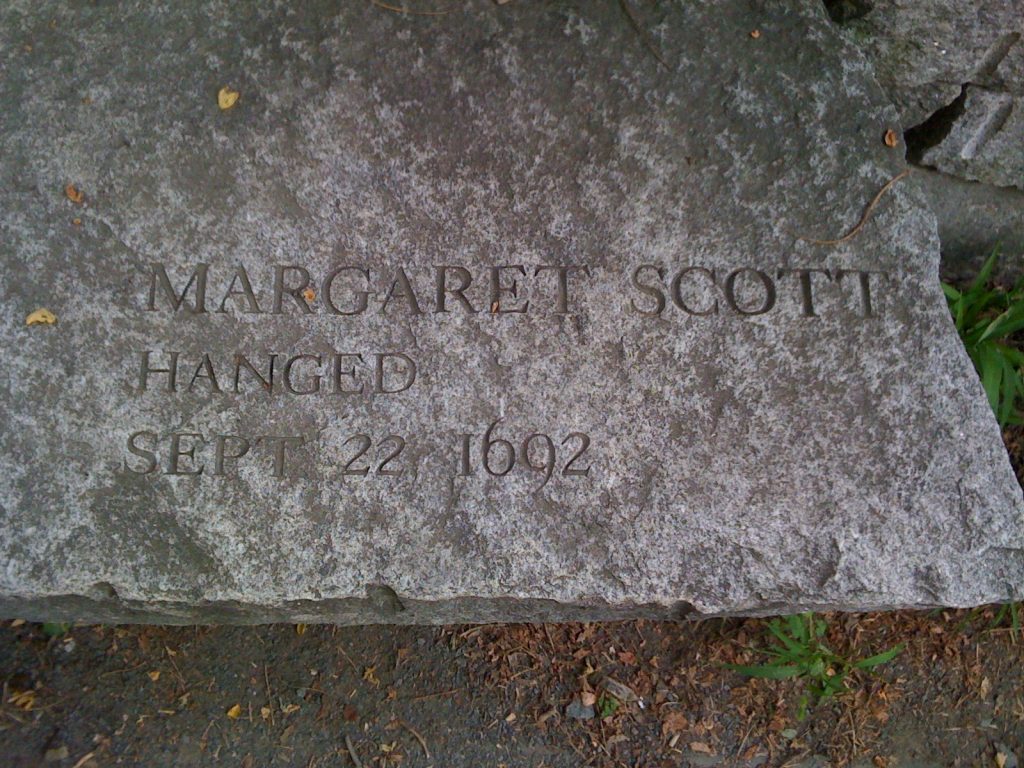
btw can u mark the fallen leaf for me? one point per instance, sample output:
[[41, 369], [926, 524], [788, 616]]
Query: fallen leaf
[[227, 98], [23, 699], [265, 713], [370, 675], [1000, 760], [77, 222], [700, 746], [510, 717], [289, 708], [41, 317], [17, 622], [56, 754], [620, 691], [154, 675], [235, 712], [755, 33], [74, 194], [588, 698], [674, 722], [985, 688], [300, 629], [891, 138], [309, 294]]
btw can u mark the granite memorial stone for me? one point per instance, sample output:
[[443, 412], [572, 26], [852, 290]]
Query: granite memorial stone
[[329, 311]]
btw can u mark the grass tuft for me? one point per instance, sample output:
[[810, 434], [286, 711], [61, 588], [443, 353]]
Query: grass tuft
[[799, 651], [987, 317]]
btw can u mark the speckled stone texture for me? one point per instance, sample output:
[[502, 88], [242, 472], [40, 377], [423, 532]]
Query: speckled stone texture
[[955, 67], [771, 440]]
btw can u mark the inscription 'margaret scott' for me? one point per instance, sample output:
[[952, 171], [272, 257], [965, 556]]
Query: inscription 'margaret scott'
[[742, 291], [493, 312]]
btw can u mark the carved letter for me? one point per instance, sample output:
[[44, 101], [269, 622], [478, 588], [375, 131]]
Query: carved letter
[[361, 296], [172, 372], [562, 272], [407, 293], [246, 292], [220, 441], [281, 288], [135, 450], [288, 375], [498, 290], [766, 282], [177, 453], [804, 276], [677, 295], [177, 300], [407, 366], [465, 278]]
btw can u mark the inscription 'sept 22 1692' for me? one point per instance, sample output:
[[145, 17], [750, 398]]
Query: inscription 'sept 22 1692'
[[352, 290]]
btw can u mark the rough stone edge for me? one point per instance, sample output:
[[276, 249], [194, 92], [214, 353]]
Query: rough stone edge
[[393, 611]]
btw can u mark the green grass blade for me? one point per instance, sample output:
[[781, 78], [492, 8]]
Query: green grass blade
[[879, 658]]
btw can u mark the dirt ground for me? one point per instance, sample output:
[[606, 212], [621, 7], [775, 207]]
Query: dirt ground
[[321, 696]]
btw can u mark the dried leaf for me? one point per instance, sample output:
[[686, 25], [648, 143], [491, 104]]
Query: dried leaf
[[227, 98], [235, 712], [755, 33], [1000, 760], [289, 708], [23, 699], [41, 317], [74, 194], [370, 675], [154, 675], [674, 722], [588, 698], [300, 629], [309, 294], [700, 746], [265, 713], [892, 139]]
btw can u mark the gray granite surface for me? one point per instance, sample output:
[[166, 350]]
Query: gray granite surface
[[588, 235]]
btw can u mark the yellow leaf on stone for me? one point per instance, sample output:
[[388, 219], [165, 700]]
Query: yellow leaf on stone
[[226, 98], [300, 629], [235, 711], [41, 317]]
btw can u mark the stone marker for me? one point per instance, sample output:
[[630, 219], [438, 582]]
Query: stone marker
[[509, 313]]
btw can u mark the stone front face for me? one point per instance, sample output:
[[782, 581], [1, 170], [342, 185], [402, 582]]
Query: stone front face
[[480, 316]]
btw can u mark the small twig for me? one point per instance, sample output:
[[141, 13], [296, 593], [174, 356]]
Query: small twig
[[863, 219], [83, 760], [270, 697], [397, 9], [420, 739], [352, 751], [435, 695], [635, 23], [347, 658], [121, 671]]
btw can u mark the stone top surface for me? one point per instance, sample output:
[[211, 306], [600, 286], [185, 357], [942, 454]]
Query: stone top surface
[[486, 315]]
